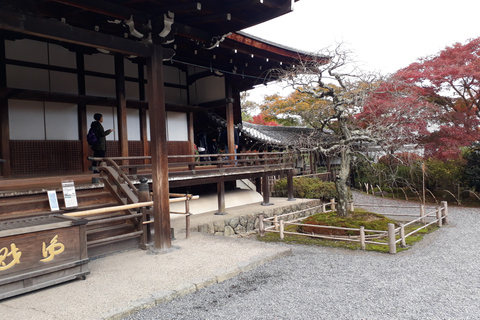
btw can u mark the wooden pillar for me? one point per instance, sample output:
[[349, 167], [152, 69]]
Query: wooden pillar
[[83, 124], [158, 148], [143, 112], [144, 133], [265, 191], [221, 197], [230, 124], [290, 185], [5, 167], [121, 104], [258, 185], [191, 132]]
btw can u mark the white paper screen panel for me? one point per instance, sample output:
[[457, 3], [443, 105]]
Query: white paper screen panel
[[61, 121], [133, 125], [26, 120], [177, 126]]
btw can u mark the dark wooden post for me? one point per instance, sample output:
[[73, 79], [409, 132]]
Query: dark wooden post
[[121, 104], [258, 185], [5, 167], [83, 124], [230, 124], [143, 112], [159, 150], [221, 197], [265, 191], [191, 133], [290, 185], [144, 196]]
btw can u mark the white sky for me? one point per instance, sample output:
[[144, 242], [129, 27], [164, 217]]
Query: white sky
[[384, 35]]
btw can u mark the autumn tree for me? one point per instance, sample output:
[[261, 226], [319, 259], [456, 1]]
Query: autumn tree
[[341, 92], [296, 109], [451, 81]]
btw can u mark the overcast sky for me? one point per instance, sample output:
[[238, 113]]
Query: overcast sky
[[385, 35]]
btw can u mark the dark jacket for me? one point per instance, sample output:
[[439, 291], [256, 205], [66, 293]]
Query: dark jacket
[[101, 134]]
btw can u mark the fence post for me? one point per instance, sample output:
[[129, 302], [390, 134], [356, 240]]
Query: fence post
[[445, 212], [144, 196], [422, 213], [391, 238], [282, 227], [402, 235], [261, 225], [332, 204], [439, 217], [324, 207], [275, 222], [352, 206], [187, 216], [362, 237]]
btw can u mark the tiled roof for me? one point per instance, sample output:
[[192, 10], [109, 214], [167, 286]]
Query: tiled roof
[[277, 135]]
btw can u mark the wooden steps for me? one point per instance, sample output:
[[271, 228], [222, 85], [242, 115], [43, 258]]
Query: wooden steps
[[105, 232]]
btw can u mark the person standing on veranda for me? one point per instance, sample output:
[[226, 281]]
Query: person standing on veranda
[[100, 148]]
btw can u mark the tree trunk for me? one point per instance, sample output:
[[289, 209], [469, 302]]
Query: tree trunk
[[341, 183]]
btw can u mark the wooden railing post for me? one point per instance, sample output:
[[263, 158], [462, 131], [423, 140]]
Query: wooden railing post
[[187, 216], [445, 212], [362, 238], [422, 213], [402, 235], [275, 222], [261, 225], [439, 216], [282, 228], [352, 206], [332, 204], [391, 238], [144, 196]]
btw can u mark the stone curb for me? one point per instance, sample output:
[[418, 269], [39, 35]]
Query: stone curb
[[160, 297]]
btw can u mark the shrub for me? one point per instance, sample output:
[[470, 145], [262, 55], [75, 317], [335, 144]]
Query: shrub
[[307, 188]]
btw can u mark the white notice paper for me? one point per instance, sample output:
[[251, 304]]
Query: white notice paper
[[52, 199], [69, 195]]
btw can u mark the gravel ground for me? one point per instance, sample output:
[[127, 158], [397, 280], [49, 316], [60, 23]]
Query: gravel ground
[[436, 279]]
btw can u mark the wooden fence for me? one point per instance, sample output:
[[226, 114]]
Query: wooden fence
[[277, 223]]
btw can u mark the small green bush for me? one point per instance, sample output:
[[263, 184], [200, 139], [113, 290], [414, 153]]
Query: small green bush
[[307, 188]]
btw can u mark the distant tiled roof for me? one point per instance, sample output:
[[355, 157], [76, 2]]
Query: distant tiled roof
[[277, 135]]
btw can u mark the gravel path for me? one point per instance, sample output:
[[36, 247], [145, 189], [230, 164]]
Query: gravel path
[[437, 279]]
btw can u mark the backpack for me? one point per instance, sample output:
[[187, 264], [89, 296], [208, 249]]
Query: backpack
[[92, 137]]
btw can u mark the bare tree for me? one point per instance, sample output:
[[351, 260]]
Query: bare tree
[[333, 77]]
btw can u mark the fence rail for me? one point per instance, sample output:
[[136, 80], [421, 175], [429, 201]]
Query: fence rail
[[277, 224]]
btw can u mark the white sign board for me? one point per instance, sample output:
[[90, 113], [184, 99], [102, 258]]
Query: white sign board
[[69, 195], [52, 199]]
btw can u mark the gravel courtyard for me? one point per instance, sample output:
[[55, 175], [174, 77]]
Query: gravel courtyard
[[436, 279]]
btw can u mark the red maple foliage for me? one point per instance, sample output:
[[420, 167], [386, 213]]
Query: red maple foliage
[[260, 119], [449, 80]]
